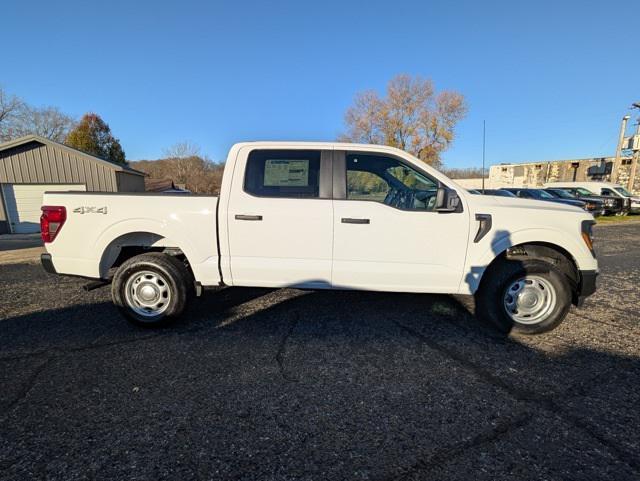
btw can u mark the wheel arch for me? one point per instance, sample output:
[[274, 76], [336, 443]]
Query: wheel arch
[[130, 244], [538, 250]]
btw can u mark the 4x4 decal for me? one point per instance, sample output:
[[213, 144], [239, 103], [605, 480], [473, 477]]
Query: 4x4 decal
[[90, 210]]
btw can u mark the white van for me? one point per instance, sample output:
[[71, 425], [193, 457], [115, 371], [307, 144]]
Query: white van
[[604, 188]]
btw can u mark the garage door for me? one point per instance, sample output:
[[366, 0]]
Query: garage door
[[22, 204]]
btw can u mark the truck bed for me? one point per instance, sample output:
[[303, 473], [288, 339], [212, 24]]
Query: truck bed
[[101, 224]]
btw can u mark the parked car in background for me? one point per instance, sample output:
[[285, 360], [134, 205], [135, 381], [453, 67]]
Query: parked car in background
[[612, 205], [595, 206], [499, 192], [540, 194], [607, 189]]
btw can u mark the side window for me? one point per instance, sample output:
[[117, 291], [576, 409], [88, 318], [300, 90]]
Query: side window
[[608, 192], [362, 185], [389, 181], [283, 173]]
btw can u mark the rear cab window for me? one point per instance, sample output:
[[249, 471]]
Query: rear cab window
[[283, 173]]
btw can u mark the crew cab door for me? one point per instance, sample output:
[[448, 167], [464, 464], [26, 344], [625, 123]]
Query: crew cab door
[[387, 235], [280, 218]]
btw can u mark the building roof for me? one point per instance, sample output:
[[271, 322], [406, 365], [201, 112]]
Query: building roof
[[586, 159], [42, 140]]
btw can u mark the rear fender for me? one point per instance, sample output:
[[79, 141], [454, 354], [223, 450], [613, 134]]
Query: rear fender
[[139, 232]]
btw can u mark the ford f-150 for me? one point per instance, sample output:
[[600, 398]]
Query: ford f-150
[[326, 216]]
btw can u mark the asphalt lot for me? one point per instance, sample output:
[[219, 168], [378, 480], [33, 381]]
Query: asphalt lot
[[266, 384]]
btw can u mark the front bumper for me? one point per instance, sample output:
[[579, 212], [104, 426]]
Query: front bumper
[[586, 287], [47, 264]]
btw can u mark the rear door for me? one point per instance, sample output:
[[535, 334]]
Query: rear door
[[387, 235], [280, 218]]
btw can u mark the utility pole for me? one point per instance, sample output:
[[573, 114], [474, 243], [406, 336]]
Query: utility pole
[[484, 142], [623, 129], [635, 140]]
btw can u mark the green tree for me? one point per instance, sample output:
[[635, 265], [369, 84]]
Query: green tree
[[93, 136]]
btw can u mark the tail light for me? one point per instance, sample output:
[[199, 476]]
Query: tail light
[[51, 221]]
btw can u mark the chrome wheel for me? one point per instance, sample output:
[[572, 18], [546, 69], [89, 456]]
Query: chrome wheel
[[147, 293], [530, 300]]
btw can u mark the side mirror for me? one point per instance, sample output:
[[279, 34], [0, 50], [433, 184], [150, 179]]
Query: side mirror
[[447, 200]]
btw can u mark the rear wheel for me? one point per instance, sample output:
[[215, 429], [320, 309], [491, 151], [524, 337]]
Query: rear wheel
[[151, 290], [529, 296]]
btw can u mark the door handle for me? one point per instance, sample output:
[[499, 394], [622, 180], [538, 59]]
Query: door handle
[[248, 217], [349, 220]]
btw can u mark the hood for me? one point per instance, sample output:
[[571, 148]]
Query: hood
[[488, 201], [577, 203], [593, 198]]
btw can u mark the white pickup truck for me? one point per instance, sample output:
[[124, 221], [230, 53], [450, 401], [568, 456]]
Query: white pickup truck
[[326, 216]]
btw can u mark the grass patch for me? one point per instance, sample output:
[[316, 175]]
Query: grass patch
[[613, 219]]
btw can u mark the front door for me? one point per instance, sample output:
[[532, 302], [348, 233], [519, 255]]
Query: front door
[[387, 235], [280, 219]]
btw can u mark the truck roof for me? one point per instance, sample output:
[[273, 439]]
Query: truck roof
[[318, 145]]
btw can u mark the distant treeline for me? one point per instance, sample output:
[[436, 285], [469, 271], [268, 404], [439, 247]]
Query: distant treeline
[[468, 173]]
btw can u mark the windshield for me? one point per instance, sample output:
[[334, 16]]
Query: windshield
[[541, 194], [623, 191], [583, 191], [563, 194]]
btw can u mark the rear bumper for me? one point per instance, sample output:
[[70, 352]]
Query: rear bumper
[[586, 287], [47, 264]]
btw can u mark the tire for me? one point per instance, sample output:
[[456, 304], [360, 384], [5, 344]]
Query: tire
[[151, 290], [535, 280]]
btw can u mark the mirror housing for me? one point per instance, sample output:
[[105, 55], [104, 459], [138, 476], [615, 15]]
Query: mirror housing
[[447, 200]]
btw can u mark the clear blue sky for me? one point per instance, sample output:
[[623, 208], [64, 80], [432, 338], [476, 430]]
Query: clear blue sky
[[551, 78]]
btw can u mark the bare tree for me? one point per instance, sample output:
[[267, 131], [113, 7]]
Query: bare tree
[[181, 150], [412, 117], [10, 106], [18, 119], [48, 122], [185, 166], [185, 162]]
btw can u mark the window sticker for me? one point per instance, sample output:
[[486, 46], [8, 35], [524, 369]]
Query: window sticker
[[286, 173]]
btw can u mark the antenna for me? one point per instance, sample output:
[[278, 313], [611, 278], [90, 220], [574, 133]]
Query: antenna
[[484, 144]]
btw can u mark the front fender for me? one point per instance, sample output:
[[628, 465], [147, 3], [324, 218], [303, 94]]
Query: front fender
[[503, 240]]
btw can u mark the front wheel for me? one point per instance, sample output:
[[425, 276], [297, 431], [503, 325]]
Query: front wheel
[[151, 290], [528, 297]]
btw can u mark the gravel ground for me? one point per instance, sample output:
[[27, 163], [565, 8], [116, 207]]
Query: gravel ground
[[289, 384]]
